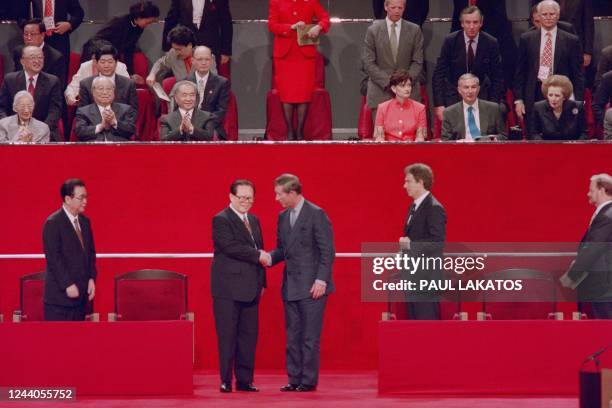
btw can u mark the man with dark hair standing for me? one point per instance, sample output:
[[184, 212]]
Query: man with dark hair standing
[[590, 272], [71, 256], [305, 242], [424, 235], [178, 61], [237, 282]]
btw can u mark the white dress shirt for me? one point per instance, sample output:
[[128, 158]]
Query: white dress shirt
[[476, 112], [27, 80], [467, 42], [198, 11], [398, 28], [543, 44], [201, 88]]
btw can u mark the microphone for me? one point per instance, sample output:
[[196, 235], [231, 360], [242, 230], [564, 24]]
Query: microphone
[[595, 355]]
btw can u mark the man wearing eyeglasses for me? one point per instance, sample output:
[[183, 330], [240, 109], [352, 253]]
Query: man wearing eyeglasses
[[237, 282], [71, 256]]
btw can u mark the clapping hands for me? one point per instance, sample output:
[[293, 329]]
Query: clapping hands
[[265, 258]]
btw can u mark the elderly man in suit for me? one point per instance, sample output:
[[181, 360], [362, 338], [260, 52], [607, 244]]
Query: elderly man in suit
[[187, 122], [237, 281], [22, 127], [106, 64], [105, 120], [424, 235], [590, 272], [71, 256], [34, 34], [472, 118], [213, 89], [468, 50], [45, 88], [178, 61], [542, 53], [305, 242], [211, 21], [391, 44]]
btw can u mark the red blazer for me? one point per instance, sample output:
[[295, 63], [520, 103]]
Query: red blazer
[[284, 13]]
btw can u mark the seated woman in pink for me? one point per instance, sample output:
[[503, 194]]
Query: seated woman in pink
[[400, 118]]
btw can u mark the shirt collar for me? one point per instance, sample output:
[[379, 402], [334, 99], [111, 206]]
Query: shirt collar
[[389, 22], [600, 206], [466, 106], [205, 77], [238, 213], [184, 112], [27, 76], [406, 104], [467, 39], [70, 216], [298, 208], [419, 200], [553, 31]]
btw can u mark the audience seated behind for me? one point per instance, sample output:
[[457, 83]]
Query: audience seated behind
[[45, 87], [22, 127], [557, 117], [187, 122], [400, 118], [105, 120]]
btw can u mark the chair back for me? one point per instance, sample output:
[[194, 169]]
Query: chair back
[[32, 290]]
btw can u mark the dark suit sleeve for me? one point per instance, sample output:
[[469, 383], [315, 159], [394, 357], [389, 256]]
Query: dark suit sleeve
[[93, 273], [497, 74], [55, 104], [601, 98], [76, 14], [84, 129], [581, 127], [599, 237], [225, 240], [133, 97], [537, 125], [324, 238], [227, 29], [59, 70], [278, 253], [223, 102], [170, 22], [5, 101], [575, 67], [447, 126], [53, 252], [85, 97], [441, 73], [521, 70], [166, 133], [206, 131], [126, 124], [436, 234]]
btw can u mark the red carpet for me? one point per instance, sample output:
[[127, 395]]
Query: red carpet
[[337, 390]]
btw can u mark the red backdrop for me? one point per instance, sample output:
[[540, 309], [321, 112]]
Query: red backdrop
[[161, 198]]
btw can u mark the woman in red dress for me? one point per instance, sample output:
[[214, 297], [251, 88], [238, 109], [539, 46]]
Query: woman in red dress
[[294, 65]]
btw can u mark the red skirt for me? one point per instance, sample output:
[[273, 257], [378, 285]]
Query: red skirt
[[294, 76]]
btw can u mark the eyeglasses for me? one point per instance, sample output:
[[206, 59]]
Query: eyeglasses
[[244, 198], [80, 198], [34, 58]]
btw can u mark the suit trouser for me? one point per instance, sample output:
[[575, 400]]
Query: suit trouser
[[601, 310], [303, 324], [237, 325], [57, 313]]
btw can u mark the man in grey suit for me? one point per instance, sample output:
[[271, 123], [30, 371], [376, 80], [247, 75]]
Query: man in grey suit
[[105, 120], [391, 44], [187, 122], [305, 242], [472, 118], [22, 127]]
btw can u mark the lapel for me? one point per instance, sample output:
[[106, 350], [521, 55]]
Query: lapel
[[21, 81], [75, 237], [210, 85], [301, 220], [460, 121], [233, 217], [426, 203], [187, 6], [175, 120], [480, 51], [535, 50], [94, 114], [484, 118], [460, 49], [386, 43], [402, 41], [41, 86], [256, 231], [557, 50]]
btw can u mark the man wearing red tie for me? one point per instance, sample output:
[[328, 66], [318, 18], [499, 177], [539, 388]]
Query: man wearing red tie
[[71, 256], [591, 272]]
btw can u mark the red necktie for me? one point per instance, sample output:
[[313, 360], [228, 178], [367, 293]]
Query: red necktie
[[48, 8], [31, 86]]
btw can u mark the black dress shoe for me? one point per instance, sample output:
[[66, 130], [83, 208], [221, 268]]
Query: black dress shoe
[[246, 387], [306, 388], [226, 387], [289, 387]]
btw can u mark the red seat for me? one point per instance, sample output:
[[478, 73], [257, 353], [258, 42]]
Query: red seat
[[150, 294], [318, 124], [225, 70], [141, 66], [32, 290], [74, 64], [146, 121]]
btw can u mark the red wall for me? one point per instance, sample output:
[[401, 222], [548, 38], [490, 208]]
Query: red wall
[[161, 198]]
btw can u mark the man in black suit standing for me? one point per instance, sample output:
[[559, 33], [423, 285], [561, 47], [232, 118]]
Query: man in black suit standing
[[60, 17], [591, 270], [542, 53], [45, 89], [34, 34], [105, 61], [237, 282], [210, 20], [469, 50], [424, 235], [305, 242], [71, 256]]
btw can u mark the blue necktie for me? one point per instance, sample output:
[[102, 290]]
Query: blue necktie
[[472, 124]]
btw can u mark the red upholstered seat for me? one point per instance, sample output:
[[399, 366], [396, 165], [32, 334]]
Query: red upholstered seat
[[318, 124], [31, 297], [225, 70], [151, 294], [74, 64], [146, 122], [141, 66]]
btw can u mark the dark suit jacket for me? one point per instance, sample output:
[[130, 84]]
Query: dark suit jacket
[[88, 117], [602, 97], [216, 99], [125, 91], [54, 62], [307, 249], [571, 125], [416, 10], [595, 259], [491, 121], [67, 262], [567, 61], [236, 272], [604, 65], [452, 63], [47, 98], [215, 32], [203, 126]]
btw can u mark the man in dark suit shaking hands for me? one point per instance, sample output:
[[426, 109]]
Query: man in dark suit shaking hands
[[591, 272], [71, 256], [305, 242], [424, 235], [237, 281]]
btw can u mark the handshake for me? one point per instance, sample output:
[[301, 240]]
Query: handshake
[[265, 258]]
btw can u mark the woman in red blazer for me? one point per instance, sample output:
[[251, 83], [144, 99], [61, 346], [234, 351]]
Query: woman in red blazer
[[294, 65]]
